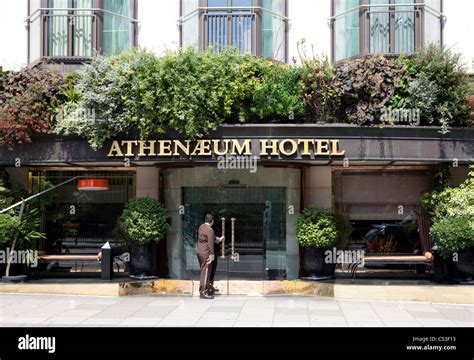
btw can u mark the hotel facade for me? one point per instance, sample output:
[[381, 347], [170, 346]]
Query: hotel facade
[[258, 177]]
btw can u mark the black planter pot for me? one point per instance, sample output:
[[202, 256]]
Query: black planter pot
[[465, 264], [141, 261], [315, 265]]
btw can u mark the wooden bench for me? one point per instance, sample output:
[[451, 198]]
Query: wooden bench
[[396, 259], [105, 268]]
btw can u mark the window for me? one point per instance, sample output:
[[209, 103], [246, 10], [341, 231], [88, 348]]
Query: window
[[346, 28], [252, 26], [61, 24], [363, 27], [80, 28], [118, 30]]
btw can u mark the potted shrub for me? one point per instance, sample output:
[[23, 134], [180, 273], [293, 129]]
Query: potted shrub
[[142, 223], [316, 232], [452, 214]]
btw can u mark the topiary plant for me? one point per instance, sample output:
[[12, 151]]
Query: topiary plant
[[143, 221], [315, 228]]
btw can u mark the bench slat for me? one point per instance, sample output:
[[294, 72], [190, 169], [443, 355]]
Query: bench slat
[[69, 257]]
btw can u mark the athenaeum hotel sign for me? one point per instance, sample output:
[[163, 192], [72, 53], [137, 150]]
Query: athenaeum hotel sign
[[222, 147], [269, 143]]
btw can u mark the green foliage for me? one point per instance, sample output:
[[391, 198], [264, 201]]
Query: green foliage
[[143, 220], [453, 234], [26, 228], [365, 87], [319, 93], [422, 95], [452, 214], [116, 95], [198, 91], [189, 91], [8, 224], [438, 87], [27, 101], [315, 228], [277, 95]]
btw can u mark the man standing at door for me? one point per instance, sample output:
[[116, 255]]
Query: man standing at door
[[205, 254]]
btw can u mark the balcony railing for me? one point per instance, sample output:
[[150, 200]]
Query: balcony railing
[[77, 34], [250, 29], [388, 29], [224, 29]]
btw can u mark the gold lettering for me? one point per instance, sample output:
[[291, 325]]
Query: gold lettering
[[203, 148], [264, 147], [294, 147], [217, 150], [322, 147], [305, 143], [335, 148], [129, 144], [115, 149], [165, 148], [238, 149], [150, 148], [180, 145]]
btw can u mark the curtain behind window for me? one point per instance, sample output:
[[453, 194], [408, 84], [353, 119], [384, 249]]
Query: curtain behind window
[[83, 29], [58, 28], [118, 32], [405, 27]]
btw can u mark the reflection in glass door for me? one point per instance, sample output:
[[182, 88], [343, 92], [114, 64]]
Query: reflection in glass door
[[253, 222]]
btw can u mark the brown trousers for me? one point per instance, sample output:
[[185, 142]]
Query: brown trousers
[[205, 272]]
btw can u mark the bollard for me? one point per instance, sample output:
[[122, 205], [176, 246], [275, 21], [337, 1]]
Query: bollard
[[106, 262], [438, 265]]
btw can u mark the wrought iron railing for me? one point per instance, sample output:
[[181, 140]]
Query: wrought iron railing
[[240, 27], [388, 28], [230, 29]]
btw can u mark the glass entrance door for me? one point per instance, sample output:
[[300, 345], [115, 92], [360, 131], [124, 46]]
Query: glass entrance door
[[253, 220]]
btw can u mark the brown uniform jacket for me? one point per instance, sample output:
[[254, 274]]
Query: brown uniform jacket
[[206, 240]]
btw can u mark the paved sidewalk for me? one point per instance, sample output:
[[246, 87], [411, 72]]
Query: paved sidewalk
[[227, 311]]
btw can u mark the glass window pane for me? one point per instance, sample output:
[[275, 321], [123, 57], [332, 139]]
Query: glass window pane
[[241, 3], [379, 28], [405, 27], [273, 30], [188, 6], [217, 3], [346, 28], [432, 23], [58, 28], [83, 29], [35, 31], [118, 31], [190, 23]]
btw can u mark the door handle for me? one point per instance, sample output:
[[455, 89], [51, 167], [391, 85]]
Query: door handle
[[223, 240], [234, 256]]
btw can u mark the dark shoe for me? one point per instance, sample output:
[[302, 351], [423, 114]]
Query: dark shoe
[[206, 296], [212, 290]]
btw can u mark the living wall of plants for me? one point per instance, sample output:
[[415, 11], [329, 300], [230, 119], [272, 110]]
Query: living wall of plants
[[195, 92], [29, 99]]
